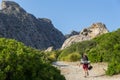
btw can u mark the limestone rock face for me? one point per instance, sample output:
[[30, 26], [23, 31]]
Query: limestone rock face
[[86, 34], [95, 30], [17, 24]]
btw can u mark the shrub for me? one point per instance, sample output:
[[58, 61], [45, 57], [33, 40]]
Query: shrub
[[52, 57], [18, 62], [74, 57]]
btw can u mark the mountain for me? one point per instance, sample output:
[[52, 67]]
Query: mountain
[[91, 32], [17, 24]]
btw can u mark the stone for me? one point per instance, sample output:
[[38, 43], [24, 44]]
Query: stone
[[49, 49]]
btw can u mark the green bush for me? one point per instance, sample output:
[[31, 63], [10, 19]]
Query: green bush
[[74, 57], [71, 57], [53, 55], [18, 62], [111, 69]]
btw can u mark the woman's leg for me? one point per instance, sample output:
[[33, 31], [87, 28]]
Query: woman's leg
[[86, 71], [85, 67]]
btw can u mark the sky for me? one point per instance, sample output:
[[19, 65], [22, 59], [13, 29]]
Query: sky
[[69, 15]]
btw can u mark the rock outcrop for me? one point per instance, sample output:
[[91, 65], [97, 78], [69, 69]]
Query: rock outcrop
[[49, 49], [86, 34], [17, 24], [71, 34]]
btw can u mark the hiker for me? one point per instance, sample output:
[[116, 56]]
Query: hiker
[[85, 62]]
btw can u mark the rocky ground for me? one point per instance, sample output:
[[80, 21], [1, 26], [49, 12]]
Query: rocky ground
[[72, 71]]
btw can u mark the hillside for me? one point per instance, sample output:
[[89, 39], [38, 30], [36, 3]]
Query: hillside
[[104, 48], [16, 23], [89, 33]]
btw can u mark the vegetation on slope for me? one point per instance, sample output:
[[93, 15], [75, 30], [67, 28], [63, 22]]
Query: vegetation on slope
[[105, 48], [18, 62]]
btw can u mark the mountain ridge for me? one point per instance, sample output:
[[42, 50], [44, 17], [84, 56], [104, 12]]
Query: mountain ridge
[[17, 24]]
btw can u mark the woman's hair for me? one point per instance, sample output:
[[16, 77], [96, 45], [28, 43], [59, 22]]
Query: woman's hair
[[84, 56]]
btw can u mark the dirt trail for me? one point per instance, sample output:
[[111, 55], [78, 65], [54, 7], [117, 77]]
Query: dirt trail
[[72, 71]]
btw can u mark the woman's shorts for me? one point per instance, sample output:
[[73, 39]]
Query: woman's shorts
[[85, 66]]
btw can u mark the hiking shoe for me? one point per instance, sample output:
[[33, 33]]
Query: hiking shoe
[[85, 76]]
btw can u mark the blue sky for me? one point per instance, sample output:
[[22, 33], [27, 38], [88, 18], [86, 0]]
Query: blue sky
[[68, 15]]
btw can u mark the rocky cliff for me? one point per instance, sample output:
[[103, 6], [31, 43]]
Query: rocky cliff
[[86, 34], [17, 24]]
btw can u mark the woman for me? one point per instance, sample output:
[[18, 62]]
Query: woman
[[85, 62]]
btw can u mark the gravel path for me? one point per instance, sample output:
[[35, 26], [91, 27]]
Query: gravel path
[[72, 71]]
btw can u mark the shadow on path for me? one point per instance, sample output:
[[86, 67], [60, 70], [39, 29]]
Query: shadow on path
[[98, 76]]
